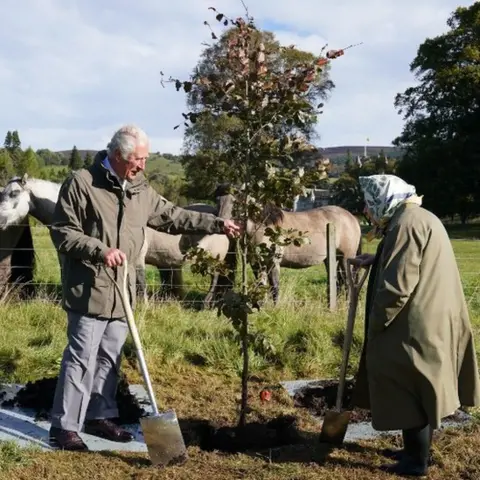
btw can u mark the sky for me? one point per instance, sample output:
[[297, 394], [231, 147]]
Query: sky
[[73, 71]]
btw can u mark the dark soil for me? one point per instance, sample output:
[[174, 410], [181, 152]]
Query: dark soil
[[39, 397], [277, 432], [318, 397]]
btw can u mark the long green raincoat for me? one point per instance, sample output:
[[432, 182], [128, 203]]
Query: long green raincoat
[[419, 363]]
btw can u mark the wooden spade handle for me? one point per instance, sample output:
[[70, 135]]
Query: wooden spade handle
[[347, 342], [123, 292]]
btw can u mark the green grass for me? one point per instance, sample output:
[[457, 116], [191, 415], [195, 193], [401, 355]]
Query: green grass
[[195, 366]]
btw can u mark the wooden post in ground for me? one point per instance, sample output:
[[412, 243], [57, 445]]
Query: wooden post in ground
[[331, 267]]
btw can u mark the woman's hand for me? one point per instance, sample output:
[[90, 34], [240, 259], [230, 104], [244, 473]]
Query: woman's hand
[[364, 260]]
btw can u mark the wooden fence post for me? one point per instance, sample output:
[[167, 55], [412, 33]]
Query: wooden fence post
[[332, 267]]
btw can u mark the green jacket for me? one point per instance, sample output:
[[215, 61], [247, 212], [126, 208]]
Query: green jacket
[[94, 214]]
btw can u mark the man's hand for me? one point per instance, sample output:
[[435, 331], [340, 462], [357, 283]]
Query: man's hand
[[232, 228], [114, 258], [363, 260]]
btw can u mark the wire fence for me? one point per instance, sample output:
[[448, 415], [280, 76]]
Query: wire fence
[[303, 285], [296, 286]]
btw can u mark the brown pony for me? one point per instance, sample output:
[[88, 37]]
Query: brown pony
[[347, 234]]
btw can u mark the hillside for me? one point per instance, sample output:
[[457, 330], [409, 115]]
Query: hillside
[[166, 163]]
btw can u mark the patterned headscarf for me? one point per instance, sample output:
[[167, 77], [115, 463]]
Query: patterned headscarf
[[384, 194]]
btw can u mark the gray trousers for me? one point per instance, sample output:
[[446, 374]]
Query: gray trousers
[[88, 379]]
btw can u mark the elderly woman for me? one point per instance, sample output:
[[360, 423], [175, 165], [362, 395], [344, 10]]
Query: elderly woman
[[418, 364]]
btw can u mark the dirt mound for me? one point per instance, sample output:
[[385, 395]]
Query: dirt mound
[[39, 395], [318, 397]]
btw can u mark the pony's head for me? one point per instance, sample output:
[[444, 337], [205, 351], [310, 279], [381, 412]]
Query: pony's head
[[14, 202], [272, 215]]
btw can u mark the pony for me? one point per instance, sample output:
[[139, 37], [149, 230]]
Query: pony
[[348, 237], [17, 258], [36, 197], [167, 252]]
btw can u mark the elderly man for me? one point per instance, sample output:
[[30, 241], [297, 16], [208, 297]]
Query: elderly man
[[98, 223], [419, 363]]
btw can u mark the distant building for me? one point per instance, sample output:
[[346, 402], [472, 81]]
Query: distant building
[[317, 197]]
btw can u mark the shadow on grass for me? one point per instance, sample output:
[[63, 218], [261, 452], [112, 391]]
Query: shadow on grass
[[321, 454], [193, 300], [306, 449]]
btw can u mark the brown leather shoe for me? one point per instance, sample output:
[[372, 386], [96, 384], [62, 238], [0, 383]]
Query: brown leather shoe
[[66, 440], [107, 429]]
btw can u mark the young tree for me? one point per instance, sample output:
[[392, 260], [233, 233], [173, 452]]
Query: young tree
[[75, 162], [273, 108], [210, 136]]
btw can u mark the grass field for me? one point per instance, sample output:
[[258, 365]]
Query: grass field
[[195, 366]]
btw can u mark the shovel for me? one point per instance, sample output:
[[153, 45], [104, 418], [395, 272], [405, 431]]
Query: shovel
[[161, 431], [335, 422]]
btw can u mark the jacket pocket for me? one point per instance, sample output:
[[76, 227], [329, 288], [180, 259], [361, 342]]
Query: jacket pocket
[[82, 277]]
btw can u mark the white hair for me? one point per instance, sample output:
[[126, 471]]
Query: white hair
[[126, 139]]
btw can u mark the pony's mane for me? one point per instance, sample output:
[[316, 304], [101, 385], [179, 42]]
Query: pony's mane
[[272, 214], [42, 181], [34, 180]]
